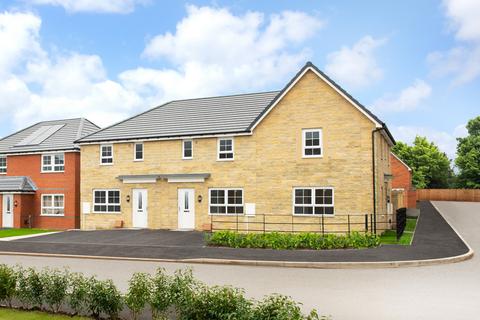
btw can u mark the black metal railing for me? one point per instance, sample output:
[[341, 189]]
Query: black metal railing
[[401, 221], [339, 223]]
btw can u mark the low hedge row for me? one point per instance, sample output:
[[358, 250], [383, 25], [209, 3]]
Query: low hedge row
[[276, 240], [178, 296]]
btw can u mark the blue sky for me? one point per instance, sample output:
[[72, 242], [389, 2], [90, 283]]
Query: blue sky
[[416, 64]]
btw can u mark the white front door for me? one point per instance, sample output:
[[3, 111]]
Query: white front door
[[139, 210], [7, 211], [186, 209]]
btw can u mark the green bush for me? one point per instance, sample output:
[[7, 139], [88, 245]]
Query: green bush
[[279, 307], [104, 298], [161, 297], [8, 281], [78, 293], [183, 289], [55, 285], [275, 240], [221, 302], [138, 295], [29, 289]]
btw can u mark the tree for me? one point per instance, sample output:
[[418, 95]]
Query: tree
[[468, 156], [431, 167]]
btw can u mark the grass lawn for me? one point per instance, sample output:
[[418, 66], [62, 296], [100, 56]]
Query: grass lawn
[[8, 314], [4, 233], [390, 236]]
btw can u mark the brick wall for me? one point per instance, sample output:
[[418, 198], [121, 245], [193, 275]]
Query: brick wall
[[66, 183]]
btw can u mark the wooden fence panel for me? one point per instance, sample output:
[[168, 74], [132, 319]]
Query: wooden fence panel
[[449, 194]]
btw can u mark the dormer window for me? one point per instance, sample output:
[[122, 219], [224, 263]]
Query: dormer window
[[3, 165], [225, 149], [312, 143]]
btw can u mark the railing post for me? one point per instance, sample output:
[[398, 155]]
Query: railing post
[[366, 223], [323, 225], [348, 216], [263, 223], [371, 222]]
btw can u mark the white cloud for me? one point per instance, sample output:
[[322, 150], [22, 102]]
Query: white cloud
[[462, 62], [215, 51], [408, 99], [212, 52], [100, 6], [356, 66], [36, 86], [446, 141]]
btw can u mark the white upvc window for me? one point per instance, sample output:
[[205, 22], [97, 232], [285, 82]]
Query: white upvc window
[[225, 201], [106, 154], [3, 165], [53, 205], [137, 152], [312, 142], [53, 162], [313, 201], [106, 201], [225, 149], [187, 149]]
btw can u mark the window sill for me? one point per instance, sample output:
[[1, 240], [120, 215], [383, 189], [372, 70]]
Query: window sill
[[313, 215], [228, 214], [113, 213], [225, 160], [52, 171], [53, 215], [187, 158], [2, 173], [106, 164], [310, 157]]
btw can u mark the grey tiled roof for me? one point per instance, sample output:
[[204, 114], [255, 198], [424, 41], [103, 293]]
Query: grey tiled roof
[[65, 133], [16, 184], [215, 115]]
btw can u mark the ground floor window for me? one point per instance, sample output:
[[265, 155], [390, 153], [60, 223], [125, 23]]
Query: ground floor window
[[313, 201], [106, 201], [53, 204], [226, 201]]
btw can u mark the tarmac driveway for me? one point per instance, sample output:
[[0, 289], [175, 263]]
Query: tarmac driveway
[[125, 237]]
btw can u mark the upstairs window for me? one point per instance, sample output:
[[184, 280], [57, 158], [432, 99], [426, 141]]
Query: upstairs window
[[53, 205], [106, 201], [312, 143], [138, 155], [53, 162], [3, 165], [313, 201], [106, 154], [187, 152], [225, 149], [226, 201]]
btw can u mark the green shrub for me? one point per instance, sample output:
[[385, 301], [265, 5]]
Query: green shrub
[[219, 303], [138, 295], [279, 307], [78, 292], [8, 281], [161, 297], [275, 240], [183, 289], [104, 297], [55, 285], [29, 289]]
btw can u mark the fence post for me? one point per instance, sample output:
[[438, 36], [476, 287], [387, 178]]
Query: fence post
[[371, 223], [348, 224], [323, 225], [263, 223], [366, 223]]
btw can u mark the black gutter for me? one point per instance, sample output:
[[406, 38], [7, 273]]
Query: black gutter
[[374, 180]]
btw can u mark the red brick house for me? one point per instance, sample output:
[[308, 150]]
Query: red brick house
[[402, 186], [40, 175]]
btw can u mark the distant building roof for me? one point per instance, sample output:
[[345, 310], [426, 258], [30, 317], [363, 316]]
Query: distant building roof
[[17, 184], [47, 136]]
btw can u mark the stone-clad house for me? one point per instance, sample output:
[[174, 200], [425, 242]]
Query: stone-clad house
[[307, 151], [40, 175]]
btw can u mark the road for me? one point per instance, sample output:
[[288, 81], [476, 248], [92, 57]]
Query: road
[[437, 292]]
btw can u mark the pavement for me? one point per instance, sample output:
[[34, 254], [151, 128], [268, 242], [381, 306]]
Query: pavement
[[434, 239], [449, 291]]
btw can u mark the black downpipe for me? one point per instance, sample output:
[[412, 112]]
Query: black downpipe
[[374, 181]]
